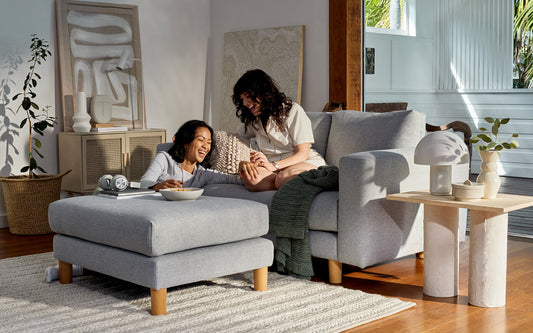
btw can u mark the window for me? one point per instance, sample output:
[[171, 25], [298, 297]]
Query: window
[[522, 39], [390, 17]]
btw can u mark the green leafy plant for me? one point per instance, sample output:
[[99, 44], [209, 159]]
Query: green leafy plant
[[36, 118], [488, 140], [523, 44]]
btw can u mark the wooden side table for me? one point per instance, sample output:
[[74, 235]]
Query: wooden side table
[[488, 244]]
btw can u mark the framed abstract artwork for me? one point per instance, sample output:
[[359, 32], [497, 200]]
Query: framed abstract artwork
[[277, 51], [100, 54]]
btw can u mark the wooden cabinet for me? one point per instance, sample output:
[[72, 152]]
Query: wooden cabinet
[[91, 155]]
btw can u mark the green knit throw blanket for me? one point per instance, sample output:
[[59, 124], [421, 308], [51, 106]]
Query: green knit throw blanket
[[288, 218]]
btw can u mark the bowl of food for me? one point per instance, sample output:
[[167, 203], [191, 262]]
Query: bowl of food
[[468, 191], [186, 193]]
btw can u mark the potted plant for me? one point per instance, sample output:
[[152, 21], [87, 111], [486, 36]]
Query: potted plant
[[489, 146], [27, 196]]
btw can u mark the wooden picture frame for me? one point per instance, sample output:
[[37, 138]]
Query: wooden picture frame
[[93, 38]]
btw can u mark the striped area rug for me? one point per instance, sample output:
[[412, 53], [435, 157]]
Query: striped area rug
[[98, 303]]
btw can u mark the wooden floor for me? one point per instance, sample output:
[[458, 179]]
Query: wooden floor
[[403, 279]]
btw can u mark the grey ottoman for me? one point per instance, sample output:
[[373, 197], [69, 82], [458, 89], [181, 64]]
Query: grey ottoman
[[160, 244]]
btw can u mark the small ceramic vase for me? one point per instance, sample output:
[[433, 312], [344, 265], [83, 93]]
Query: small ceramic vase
[[101, 109], [489, 175], [81, 118]]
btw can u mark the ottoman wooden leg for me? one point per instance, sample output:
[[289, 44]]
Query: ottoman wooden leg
[[335, 271], [65, 272], [261, 279], [159, 301], [420, 255]]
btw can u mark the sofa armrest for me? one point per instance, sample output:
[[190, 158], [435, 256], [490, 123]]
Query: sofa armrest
[[372, 229]]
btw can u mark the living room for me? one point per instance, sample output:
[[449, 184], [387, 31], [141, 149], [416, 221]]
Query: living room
[[182, 45]]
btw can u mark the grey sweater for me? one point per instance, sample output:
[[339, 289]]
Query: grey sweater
[[163, 167]]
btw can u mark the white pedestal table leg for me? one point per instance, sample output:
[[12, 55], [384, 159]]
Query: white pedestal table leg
[[441, 251], [488, 259]]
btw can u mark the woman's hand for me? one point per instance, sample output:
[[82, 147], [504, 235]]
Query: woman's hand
[[169, 183], [259, 159], [248, 170]]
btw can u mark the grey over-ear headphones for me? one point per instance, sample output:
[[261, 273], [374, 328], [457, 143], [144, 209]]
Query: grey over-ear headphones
[[113, 183]]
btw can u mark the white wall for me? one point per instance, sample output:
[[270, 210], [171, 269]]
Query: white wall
[[239, 15], [174, 41]]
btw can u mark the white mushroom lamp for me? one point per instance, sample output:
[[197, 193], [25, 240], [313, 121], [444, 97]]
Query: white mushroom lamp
[[440, 150]]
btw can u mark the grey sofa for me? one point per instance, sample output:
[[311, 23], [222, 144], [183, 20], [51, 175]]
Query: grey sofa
[[375, 155]]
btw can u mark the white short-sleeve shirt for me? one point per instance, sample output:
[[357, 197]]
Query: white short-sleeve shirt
[[278, 143]]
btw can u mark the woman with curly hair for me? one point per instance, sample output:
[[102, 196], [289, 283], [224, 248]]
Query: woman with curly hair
[[281, 130], [186, 163]]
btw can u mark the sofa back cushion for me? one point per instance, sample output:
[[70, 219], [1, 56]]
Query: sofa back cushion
[[165, 146], [321, 123], [353, 131]]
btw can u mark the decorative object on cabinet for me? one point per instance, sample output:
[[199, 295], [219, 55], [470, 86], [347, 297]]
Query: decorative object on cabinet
[[277, 51], [109, 129], [81, 118], [91, 155], [101, 110], [440, 150], [84, 61]]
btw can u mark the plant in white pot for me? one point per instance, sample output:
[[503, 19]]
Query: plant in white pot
[[27, 196], [489, 146]]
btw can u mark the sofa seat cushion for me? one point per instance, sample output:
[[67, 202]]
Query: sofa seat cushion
[[238, 192], [323, 211], [369, 131], [154, 226]]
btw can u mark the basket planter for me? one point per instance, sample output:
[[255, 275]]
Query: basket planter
[[27, 201]]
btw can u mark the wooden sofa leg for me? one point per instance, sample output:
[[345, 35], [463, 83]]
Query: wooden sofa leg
[[261, 279], [65, 272], [420, 255], [159, 301], [335, 271]]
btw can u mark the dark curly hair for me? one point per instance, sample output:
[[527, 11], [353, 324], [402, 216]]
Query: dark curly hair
[[186, 134], [262, 89]]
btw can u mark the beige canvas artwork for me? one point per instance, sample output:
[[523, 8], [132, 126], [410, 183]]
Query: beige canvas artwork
[[277, 51], [99, 53]]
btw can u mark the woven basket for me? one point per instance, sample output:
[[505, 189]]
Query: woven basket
[[27, 201]]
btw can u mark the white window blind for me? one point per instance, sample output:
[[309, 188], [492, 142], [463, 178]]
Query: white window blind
[[474, 44]]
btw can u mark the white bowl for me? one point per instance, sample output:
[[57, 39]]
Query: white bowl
[[186, 193], [468, 191]]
